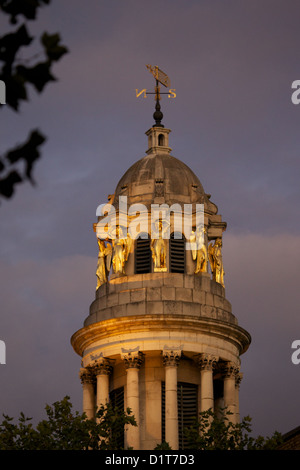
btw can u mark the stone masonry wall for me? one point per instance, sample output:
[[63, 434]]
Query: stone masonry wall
[[161, 293]]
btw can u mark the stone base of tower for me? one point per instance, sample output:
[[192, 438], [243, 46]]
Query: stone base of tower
[[168, 346]]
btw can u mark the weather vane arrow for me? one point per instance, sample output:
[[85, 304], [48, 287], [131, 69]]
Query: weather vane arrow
[[163, 79]]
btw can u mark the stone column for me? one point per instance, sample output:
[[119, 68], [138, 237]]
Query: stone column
[[133, 360], [88, 400], [102, 370], [171, 361], [230, 371], [207, 363], [238, 380]]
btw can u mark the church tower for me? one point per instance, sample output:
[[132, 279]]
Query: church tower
[[160, 337]]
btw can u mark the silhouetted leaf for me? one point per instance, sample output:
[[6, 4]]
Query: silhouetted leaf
[[27, 8], [15, 90], [39, 75], [7, 184], [28, 152], [10, 44], [52, 47]]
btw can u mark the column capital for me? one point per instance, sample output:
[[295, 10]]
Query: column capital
[[207, 361], [86, 376], [171, 357], [133, 358], [230, 369], [238, 379], [102, 366]]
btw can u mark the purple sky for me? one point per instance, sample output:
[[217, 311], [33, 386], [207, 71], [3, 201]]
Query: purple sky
[[232, 64]]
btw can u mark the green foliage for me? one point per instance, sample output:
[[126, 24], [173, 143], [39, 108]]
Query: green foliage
[[216, 432], [18, 75], [66, 430], [163, 446]]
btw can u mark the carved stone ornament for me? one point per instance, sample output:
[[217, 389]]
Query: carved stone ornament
[[102, 366], [238, 379], [132, 358], [86, 376], [207, 361], [230, 369], [171, 357]]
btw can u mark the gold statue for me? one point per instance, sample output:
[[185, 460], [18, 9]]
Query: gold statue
[[216, 261], [121, 250], [103, 266], [198, 242], [159, 246]]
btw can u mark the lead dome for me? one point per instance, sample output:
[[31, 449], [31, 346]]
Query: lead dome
[[161, 178]]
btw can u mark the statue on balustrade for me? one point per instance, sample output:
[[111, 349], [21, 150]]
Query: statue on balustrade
[[104, 261], [121, 249], [216, 261], [159, 245], [198, 240]]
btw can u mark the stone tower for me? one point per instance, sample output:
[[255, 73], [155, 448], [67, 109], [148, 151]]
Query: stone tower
[[160, 337]]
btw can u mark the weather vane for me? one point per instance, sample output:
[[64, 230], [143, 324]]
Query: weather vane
[[163, 79]]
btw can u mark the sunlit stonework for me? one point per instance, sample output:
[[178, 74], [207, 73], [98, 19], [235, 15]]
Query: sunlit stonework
[[160, 336]]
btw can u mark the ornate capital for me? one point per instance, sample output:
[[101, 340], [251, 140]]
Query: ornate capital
[[238, 379], [132, 358], [230, 370], [102, 366], [207, 361], [171, 357], [86, 376]]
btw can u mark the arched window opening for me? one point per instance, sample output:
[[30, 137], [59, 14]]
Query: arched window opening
[[143, 254], [177, 253], [161, 140]]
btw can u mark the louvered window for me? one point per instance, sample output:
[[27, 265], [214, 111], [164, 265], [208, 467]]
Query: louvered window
[[116, 398], [177, 254], [187, 403], [143, 255]]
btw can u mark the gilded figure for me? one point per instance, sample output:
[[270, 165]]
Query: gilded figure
[[198, 240], [159, 246], [121, 250], [103, 262], [216, 261]]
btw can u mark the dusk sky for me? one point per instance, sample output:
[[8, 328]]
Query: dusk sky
[[233, 123]]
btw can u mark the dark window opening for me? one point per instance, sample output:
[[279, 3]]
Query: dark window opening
[[177, 253], [187, 403], [218, 389], [116, 398], [143, 254], [161, 140]]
